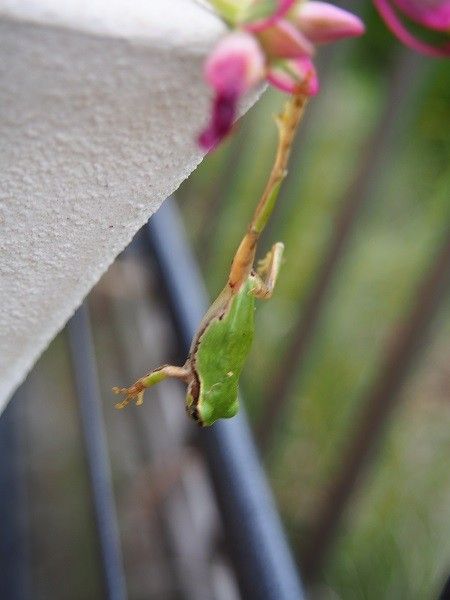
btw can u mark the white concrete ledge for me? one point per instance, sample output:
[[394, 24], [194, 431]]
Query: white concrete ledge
[[100, 103]]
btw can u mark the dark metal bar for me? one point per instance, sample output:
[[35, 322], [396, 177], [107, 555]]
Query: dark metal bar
[[406, 340], [93, 427], [15, 577], [263, 560], [445, 594]]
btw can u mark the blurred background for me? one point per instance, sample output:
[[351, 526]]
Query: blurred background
[[347, 387]]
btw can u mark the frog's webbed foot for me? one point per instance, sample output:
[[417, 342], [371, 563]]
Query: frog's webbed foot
[[135, 393], [267, 272]]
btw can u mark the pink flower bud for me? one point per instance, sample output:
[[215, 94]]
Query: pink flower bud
[[322, 22], [235, 65], [284, 40], [221, 123], [434, 14], [296, 76]]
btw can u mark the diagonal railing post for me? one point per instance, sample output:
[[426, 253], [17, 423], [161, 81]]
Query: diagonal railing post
[[15, 559], [259, 548], [96, 449], [406, 339]]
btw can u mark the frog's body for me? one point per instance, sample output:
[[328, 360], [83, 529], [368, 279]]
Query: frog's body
[[221, 345], [218, 355]]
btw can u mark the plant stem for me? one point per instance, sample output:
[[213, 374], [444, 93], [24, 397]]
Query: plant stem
[[227, 9], [287, 122]]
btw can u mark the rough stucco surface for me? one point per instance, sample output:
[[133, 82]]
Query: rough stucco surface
[[100, 102]]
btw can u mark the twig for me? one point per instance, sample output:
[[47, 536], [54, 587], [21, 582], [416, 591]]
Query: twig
[[288, 123]]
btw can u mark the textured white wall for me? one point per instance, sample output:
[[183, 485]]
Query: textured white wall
[[100, 102]]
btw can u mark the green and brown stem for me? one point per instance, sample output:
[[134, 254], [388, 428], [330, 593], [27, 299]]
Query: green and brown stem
[[287, 122]]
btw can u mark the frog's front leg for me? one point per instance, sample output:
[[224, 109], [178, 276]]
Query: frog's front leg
[[267, 272], [136, 391]]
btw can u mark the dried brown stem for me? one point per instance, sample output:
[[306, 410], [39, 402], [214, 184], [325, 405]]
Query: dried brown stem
[[287, 123]]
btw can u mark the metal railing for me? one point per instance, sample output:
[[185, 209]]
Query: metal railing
[[257, 545], [259, 548]]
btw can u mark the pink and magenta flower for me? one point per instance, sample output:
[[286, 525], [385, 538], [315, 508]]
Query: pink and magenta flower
[[430, 14], [235, 66], [273, 40]]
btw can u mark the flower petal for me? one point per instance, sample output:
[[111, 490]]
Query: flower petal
[[221, 123], [323, 22], [284, 40], [236, 64], [434, 14], [398, 29], [294, 76]]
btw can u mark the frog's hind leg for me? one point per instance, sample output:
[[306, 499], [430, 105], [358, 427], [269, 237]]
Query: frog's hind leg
[[267, 272], [136, 391]]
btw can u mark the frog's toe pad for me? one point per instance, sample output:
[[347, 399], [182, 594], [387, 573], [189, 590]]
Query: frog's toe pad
[[134, 393]]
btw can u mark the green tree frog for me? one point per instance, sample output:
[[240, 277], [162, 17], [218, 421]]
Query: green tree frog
[[223, 340]]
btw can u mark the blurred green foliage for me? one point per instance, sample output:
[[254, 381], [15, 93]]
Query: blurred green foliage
[[394, 542]]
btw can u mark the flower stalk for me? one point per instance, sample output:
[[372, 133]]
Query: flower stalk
[[287, 122], [272, 40]]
